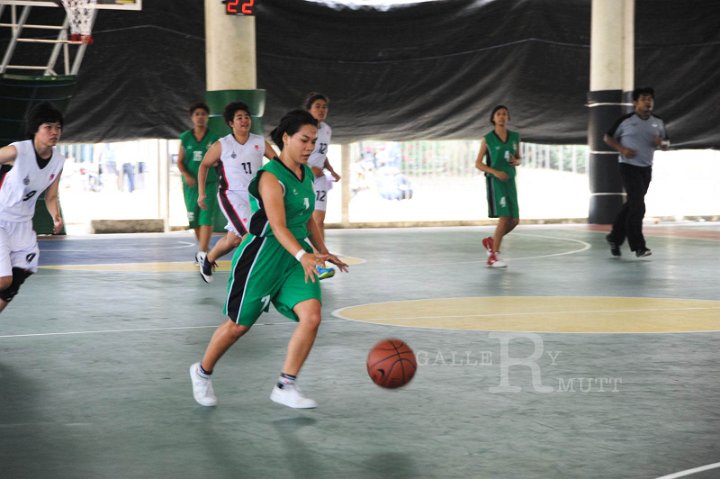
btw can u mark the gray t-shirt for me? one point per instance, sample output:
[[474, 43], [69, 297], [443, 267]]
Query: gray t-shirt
[[633, 132]]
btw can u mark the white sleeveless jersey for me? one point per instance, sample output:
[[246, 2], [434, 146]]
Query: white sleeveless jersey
[[239, 163], [25, 181], [319, 154]]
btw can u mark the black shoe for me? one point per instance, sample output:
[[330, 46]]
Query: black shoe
[[614, 246], [642, 252]]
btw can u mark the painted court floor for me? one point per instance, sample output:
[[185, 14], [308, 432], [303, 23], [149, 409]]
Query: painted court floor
[[569, 364]]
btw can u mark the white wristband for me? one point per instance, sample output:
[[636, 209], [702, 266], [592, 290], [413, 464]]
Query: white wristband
[[301, 252]]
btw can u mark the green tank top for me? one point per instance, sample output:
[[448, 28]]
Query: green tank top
[[195, 151], [299, 200], [499, 152]]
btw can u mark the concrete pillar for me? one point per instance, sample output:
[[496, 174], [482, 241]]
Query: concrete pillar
[[612, 65], [230, 61], [229, 49], [346, 196]]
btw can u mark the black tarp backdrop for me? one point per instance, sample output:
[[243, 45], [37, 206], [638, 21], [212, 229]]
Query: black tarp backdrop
[[424, 71]]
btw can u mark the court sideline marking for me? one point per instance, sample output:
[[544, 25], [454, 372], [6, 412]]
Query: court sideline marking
[[141, 330], [689, 472]]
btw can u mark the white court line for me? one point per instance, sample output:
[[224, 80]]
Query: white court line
[[689, 472], [103, 331], [139, 330], [585, 246]]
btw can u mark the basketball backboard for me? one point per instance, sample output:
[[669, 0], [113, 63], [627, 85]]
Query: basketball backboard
[[101, 4]]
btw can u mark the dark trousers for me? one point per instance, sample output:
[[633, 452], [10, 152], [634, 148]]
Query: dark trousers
[[628, 223]]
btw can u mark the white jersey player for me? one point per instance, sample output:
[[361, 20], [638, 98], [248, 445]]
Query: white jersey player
[[27, 169], [317, 105], [236, 157], [237, 165]]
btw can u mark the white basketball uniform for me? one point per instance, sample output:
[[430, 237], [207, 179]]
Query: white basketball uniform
[[20, 187], [237, 166], [322, 184]]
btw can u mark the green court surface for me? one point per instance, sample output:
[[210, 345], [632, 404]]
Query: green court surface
[[568, 364]]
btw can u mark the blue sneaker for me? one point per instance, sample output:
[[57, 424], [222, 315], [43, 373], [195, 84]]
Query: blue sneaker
[[325, 272]]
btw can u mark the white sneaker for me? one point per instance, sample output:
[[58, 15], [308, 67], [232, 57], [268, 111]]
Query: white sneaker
[[291, 396], [494, 261], [202, 388], [200, 256]]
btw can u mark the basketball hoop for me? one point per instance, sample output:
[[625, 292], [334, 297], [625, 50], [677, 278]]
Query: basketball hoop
[[80, 14]]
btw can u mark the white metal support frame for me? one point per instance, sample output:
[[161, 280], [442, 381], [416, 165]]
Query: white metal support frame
[[19, 25]]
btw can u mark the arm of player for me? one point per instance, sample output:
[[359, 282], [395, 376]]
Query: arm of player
[[315, 238], [617, 146], [272, 196], [516, 157], [8, 155], [209, 161], [53, 205], [329, 167], [189, 180], [270, 152], [480, 165]]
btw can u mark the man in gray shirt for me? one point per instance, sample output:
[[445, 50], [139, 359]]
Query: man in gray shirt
[[635, 136]]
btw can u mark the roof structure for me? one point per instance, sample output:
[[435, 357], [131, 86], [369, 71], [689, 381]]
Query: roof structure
[[431, 70]]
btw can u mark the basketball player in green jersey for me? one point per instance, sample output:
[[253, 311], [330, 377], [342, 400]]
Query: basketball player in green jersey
[[502, 149], [275, 264], [193, 146]]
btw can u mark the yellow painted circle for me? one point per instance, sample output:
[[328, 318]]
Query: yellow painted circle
[[551, 314]]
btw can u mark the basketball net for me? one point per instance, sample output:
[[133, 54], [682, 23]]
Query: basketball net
[[80, 15]]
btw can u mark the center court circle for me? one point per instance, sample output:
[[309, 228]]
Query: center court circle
[[545, 314]]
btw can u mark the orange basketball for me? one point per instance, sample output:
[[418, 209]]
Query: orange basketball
[[391, 363]]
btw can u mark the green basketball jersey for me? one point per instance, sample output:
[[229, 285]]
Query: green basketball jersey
[[499, 152], [299, 199], [195, 151]]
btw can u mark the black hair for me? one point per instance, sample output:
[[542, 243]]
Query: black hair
[[199, 104], [290, 124], [494, 110], [41, 113], [313, 97], [232, 108], [646, 90]]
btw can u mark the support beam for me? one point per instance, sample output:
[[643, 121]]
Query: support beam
[[611, 80], [231, 70]]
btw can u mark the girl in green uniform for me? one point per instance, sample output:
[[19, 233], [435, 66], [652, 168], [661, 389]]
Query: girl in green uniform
[[193, 146], [502, 149], [274, 263]]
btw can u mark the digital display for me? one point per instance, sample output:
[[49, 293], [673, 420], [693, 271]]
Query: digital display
[[239, 7]]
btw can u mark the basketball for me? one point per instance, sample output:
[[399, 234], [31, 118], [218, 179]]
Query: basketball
[[391, 363]]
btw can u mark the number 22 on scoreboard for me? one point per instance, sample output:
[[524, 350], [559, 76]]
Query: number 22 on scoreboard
[[236, 6]]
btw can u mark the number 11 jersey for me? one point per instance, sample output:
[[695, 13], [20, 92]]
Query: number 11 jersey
[[238, 163]]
